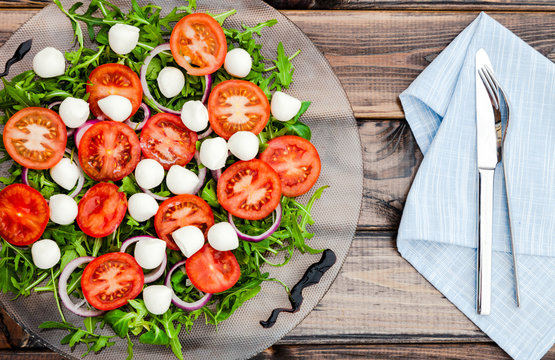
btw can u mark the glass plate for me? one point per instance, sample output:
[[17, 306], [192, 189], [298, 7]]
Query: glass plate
[[335, 135]]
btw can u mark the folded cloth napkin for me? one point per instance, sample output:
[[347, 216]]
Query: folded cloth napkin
[[438, 234]]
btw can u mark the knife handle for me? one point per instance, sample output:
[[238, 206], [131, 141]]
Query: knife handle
[[485, 241]]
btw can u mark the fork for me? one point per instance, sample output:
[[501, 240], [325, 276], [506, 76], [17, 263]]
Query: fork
[[496, 94]]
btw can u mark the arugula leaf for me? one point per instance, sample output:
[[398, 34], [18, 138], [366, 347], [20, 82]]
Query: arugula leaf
[[285, 69], [154, 336]]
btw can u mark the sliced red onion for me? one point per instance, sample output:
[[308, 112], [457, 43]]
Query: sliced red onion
[[25, 176], [82, 129], [156, 197], [177, 301], [207, 88], [80, 181], [54, 104], [201, 174], [138, 126], [62, 287], [156, 272], [265, 234], [216, 174], [205, 134], [125, 244]]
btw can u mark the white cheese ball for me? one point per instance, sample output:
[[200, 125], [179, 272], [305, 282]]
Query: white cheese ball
[[189, 239], [244, 145], [149, 253], [49, 63], [213, 153], [123, 38], [149, 173], [142, 206], [181, 180], [63, 209], [194, 115], [223, 237], [65, 173], [116, 107], [157, 298], [74, 112], [170, 81], [284, 107], [238, 62], [45, 253]]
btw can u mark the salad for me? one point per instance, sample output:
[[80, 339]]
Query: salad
[[152, 179]]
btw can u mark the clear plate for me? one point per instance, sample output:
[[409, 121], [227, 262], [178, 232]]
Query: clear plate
[[335, 135]]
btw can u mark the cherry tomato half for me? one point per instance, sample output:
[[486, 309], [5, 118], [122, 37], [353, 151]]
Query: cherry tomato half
[[212, 271], [35, 138], [249, 189], [237, 105], [109, 150], [111, 279], [165, 139], [296, 161], [24, 214], [114, 79], [101, 210], [179, 211], [198, 44]]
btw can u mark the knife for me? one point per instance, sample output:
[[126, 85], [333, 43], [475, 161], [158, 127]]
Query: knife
[[486, 148]]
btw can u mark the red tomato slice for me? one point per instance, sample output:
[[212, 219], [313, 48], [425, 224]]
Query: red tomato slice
[[101, 210], [24, 214], [212, 271], [165, 139], [198, 44], [249, 189], [114, 79], [109, 150], [111, 279], [35, 138], [179, 211], [237, 105], [296, 161]]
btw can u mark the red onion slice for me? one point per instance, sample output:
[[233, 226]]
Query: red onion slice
[[25, 176], [54, 104], [80, 181], [207, 88], [125, 244], [62, 286], [139, 126], [262, 236], [82, 129], [156, 197], [216, 174], [157, 271], [177, 301], [205, 134]]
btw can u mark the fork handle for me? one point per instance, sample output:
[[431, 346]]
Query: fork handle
[[483, 303]]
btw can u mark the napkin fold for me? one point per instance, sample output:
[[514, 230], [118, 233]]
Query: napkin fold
[[438, 233]]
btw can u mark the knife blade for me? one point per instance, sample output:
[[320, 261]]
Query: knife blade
[[486, 147]]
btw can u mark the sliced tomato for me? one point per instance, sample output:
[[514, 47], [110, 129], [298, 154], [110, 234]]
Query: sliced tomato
[[109, 150], [237, 105], [165, 139], [198, 44], [114, 79], [249, 189], [296, 161], [35, 138], [179, 211], [112, 279], [212, 271], [24, 214], [101, 210]]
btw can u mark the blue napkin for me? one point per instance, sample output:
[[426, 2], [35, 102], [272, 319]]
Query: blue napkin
[[438, 234]]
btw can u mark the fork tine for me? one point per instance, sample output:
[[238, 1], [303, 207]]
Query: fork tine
[[490, 87]]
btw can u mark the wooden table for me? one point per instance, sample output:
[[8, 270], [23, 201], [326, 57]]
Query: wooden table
[[379, 306]]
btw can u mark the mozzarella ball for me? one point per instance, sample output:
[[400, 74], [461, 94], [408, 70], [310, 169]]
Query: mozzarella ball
[[65, 173], [181, 180], [123, 38], [284, 107], [238, 62], [149, 173], [244, 145], [49, 62], [116, 107], [45, 253], [223, 237], [213, 153], [170, 81], [63, 209], [194, 115], [189, 239], [149, 253], [74, 112], [142, 206], [157, 298]]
